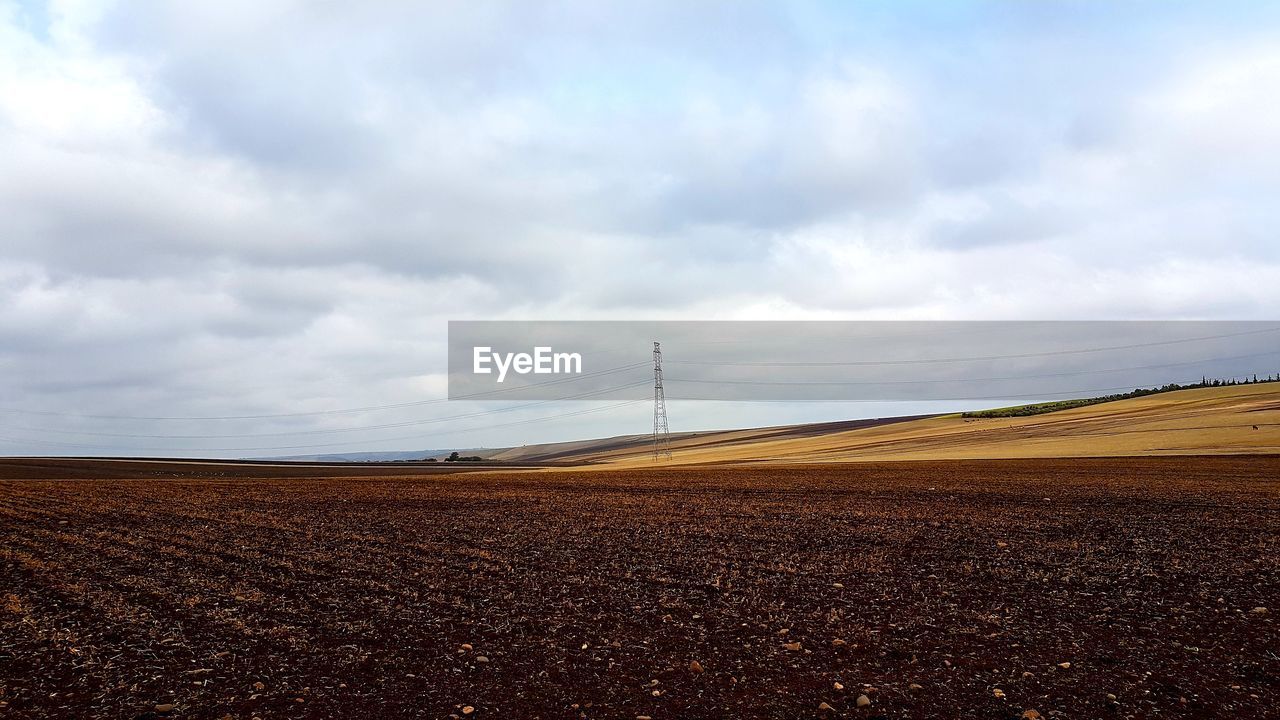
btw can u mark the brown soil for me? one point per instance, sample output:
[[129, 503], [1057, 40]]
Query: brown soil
[[927, 587]]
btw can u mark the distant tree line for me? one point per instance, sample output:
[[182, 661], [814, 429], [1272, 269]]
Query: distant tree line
[[453, 457], [1056, 405]]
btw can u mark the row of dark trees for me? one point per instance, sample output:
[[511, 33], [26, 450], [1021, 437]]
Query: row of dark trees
[[1056, 405], [453, 457], [1206, 382]]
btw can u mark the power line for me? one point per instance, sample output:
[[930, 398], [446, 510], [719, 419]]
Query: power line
[[485, 394], [1051, 353], [939, 399], [324, 431], [966, 380], [326, 445], [369, 408]]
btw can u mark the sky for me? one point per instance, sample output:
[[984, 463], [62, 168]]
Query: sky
[[273, 208]]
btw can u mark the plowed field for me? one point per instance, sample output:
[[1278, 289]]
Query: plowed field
[[966, 589]]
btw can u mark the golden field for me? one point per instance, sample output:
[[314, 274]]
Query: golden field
[[1243, 419]]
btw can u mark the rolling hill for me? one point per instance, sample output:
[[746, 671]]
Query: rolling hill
[[1224, 420]]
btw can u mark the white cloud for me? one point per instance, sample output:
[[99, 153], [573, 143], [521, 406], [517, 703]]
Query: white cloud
[[279, 205]]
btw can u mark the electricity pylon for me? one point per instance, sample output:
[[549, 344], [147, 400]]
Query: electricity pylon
[[661, 436]]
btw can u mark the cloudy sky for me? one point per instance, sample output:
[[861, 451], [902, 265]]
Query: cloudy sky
[[273, 208]]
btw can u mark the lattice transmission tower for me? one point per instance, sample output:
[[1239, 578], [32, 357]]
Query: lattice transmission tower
[[661, 436]]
